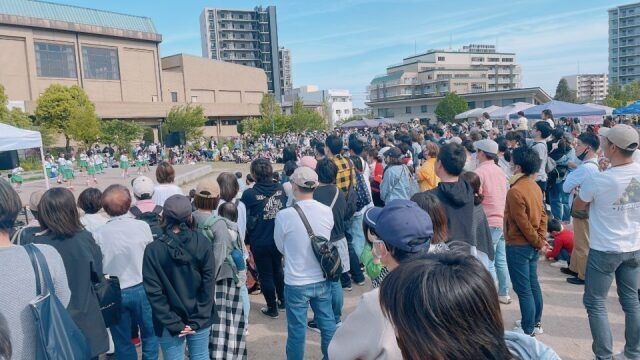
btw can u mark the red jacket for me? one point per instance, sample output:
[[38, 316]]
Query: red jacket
[[564, 239]]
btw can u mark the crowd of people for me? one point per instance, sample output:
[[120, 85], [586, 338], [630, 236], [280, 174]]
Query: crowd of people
[[443, 220]]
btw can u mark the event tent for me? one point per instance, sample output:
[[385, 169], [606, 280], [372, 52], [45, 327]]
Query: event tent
[[631, 109], [608, 110], [476, 113], [369, 123], [504, 112], [13, 138], [560, 109]]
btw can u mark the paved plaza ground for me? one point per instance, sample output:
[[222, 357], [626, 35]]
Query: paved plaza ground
[[564, 321]]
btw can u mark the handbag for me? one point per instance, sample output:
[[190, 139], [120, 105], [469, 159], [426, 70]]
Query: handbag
[[109, 296], [58, 336]]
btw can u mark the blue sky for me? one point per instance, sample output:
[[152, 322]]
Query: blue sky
[[344, 44]]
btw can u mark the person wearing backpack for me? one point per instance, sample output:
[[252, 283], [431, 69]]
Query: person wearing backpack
[[145, 208], [227, 338], [304, 277]]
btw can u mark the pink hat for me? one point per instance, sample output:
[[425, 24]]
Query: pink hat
[[308, 161]]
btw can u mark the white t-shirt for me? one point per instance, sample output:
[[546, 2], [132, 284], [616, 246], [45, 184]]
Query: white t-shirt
[[636, 156], [164, 191], [541, 148], [300, 264], [614, 210]]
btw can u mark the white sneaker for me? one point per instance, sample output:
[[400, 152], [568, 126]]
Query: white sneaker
[[559, 264], [520, 331], [536, 330], [506, 299]]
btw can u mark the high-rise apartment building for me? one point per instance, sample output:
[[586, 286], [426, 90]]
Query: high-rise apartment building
[[589, 87], [472, 69], [624, 44], [286, 83], [245, 37]]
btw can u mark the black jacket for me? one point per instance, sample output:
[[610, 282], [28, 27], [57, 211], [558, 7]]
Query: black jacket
[[325, 195], [80, 254], [457, 199], [179, 282], [263, 202]]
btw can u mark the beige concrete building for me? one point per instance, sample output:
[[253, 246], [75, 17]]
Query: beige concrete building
[[115, 58], [589, 87]]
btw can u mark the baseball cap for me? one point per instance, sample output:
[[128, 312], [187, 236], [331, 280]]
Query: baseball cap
[[208, 189], [34, 199], [402, 224], [394, 152], [308, 161], [177, 208], [622, 136], [487, 145], [142, 185], [305, 177]]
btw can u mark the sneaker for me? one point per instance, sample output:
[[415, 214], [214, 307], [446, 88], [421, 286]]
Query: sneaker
[[520, 331], [348, 288], [575, 281], [281, 306], [361, 283], [313, 326], [272, 313], [338, 324], [536, 330], [559, 264], [506, 299]]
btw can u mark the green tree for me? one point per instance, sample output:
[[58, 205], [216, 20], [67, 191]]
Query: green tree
[[189, 119], [147, 135], [18, 118], [452, 105], [4, 100], [563, 93], [120, 133], [303, 119], [56, 106], [83, 126]]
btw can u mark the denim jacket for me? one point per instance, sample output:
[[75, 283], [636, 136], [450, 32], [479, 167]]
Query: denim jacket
[[395, 183]]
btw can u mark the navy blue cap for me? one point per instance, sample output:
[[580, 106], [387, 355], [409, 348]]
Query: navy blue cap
[[402, 224]]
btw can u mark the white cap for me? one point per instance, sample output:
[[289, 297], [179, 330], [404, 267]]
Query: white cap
[[487, 145], [142, 185]]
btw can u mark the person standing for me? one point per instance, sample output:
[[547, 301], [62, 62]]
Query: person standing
[[304, 279], [614, 219], [165, 175], [263, 201], [541, 131], [525, 227], [494, 190], [123, 240], [586, 147], [178, 277]]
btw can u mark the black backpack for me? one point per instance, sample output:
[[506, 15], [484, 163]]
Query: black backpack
[[151, 217], [325, 251]]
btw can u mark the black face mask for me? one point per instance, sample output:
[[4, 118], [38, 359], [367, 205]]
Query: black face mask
[[584, 153]]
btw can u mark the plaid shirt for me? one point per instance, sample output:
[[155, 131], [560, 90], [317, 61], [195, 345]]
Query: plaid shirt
[[346, 176]]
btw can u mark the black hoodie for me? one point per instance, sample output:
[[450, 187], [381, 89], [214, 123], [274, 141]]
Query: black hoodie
[[263, 202], [457, 199]]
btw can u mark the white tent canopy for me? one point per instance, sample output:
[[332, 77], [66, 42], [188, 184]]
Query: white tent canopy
[[607, 109], [13, 138], [476, 113], [504, 112]]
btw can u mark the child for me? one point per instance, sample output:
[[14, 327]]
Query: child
[[145, 162], [371, 259], [16, 178], [91, 171], [62, 162], [83, 163], [229, 211], [67, 174], [138, 163], [98, 160], [124, 165], [562, 244]]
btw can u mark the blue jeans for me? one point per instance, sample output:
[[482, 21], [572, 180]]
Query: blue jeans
[[563, 255], [498, 267], [354, 262], [357, 234], [337, 299], [559, 201], [522, 261], [173, 346], [297, 301], [135, 309], [602, 267]]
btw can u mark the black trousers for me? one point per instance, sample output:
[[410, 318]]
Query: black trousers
[[270, 273]]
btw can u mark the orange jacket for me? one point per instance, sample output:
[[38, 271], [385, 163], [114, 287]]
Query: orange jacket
[[426, 175]]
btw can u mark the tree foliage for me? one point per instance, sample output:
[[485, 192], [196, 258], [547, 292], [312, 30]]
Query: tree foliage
[[273, 121], [619, 96], [4, 100], [120, 133], [83, 126], [452, 105], [563, 93], [57, 105], [189, 119], [18, 118]]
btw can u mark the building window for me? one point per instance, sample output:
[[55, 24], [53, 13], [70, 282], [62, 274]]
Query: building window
[[440, 58], [241, 36], [100, 63], [194, 99], [407, 110], [477, 59], [507, 59], [494, 59], [338, 112], [174, 96], [487, 103], [55, 60], [346, 112], [423, 108]]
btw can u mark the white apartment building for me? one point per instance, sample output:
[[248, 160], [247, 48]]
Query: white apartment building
[[286, 83], [624, 43], [589, 87], [472, 69], [338, 102]]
